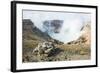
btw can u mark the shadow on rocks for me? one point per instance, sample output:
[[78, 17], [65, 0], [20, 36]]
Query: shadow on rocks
[[55, 52]]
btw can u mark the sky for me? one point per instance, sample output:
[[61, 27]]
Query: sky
[[72, 23]]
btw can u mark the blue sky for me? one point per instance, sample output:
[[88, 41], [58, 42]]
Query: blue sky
[[70, 30]]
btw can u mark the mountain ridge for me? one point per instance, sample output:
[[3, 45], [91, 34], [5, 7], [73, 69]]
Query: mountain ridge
[[33, 35], [85, 37]]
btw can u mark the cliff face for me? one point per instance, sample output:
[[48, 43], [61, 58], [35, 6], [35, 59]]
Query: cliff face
[[86, 34]]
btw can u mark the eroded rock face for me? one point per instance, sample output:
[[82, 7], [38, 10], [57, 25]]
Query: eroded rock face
[[44, 48], [86, 33]]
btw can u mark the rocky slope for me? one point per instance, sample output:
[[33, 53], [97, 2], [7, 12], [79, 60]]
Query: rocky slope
[[86, 34], [85, 37], [32, 35]]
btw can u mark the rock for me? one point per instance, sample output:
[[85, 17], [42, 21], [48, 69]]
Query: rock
[[44, 48]]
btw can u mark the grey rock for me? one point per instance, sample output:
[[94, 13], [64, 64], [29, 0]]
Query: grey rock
[[44, 48]]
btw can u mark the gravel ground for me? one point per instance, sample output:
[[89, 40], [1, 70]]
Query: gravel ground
[[56, 55]]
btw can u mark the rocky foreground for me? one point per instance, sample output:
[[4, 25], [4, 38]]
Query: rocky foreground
[[46, 51]]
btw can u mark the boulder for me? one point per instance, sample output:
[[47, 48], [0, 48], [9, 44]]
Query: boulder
[[44, 48]]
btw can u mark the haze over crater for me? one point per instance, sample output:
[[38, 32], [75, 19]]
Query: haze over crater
[[64, 27]]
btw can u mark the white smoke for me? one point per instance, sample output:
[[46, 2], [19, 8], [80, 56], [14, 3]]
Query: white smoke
[[69, 31], [72, 23]]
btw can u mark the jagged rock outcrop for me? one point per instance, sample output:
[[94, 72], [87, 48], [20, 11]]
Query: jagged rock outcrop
[[44, 48]]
